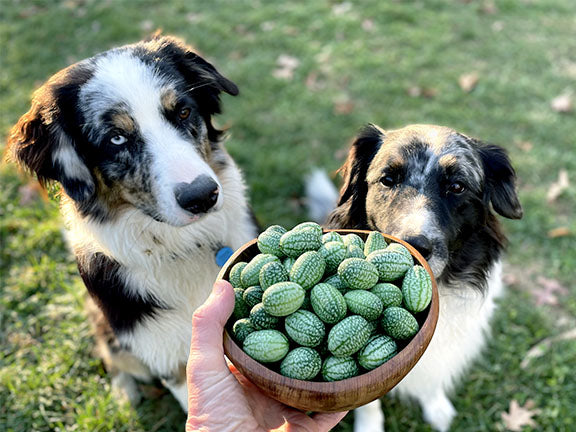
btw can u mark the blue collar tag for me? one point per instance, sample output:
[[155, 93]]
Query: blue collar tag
[[223, 254]]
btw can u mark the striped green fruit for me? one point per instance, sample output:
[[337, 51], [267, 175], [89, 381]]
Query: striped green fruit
[[334, 253], [331, 236], [348, 336], [305, 328], [253, 295], [261, 319], [308, 269], [288, 262], [283, 298], [377, 351], [328, 303], [235, 273], [301, 363], [353, 239], [398, 323], [357, 273], [354, 251], [309, 225], [391, 264], [374, 326], [266, 346], [375, 241], [337, 283], [250, 275], [389, 294], [269, 240], [272, 273], [339, 368], [417, 289], [295, 242], [242, 328], [241, 309], [364, 303], [397, 247]]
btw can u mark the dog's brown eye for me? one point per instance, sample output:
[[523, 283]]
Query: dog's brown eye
[[184, 113], [456, 188], [389, 180]]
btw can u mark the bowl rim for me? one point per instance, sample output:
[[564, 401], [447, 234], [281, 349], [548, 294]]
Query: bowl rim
[[417, 344]]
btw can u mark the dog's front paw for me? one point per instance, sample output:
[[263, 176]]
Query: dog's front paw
[[369, 418], [124, 388], [439, 412]]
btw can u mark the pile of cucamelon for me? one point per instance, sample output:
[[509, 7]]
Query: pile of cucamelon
[[326, 307]]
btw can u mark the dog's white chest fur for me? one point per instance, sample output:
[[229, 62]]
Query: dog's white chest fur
[[175, 265]]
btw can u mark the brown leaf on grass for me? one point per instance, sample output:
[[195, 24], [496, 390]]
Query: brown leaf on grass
[[286, 66], [558, 187], [468, 81], [368, 25], [343, 106], [559, 232], [563, 103], [425, 92], [525, 146], [543, 347], [30, 193], [315, 81], [519, 416], [547, 290], [489, 8]]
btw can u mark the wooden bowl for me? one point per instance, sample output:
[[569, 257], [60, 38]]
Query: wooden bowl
[[339, 395]]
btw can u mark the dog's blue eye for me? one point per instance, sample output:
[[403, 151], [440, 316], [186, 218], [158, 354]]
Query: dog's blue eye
[[456, 188], [118, 139]]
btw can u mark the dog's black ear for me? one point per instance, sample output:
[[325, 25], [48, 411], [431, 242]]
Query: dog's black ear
[[38, 143], [500, 181], [208, 73], [354, 188]]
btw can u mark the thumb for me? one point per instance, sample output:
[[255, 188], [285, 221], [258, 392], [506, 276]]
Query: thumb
[[208, 323]]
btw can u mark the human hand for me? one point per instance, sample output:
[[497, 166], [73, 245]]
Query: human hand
[[220, 399]]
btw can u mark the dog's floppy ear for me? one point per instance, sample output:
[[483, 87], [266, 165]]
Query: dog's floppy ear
[[500, 181], [39, 143], [354, 189]]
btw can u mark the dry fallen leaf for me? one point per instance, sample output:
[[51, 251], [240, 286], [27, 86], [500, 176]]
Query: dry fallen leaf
[[489, 8], [30, 193], [547, 290], [343, 106], [368, 25], [559, 186], [341, 8], [286, 66], [425, 92], [542, 347], [524, 145], [559, 232], [563, 103], [469, 81], [519, 416]]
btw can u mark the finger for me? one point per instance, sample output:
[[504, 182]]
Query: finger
[[326, 421], [208, 323]]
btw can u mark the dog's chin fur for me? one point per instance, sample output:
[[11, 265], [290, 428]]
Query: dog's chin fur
[[128, 135], [400, 183]]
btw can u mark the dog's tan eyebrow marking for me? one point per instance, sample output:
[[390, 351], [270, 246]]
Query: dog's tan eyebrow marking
[[448, 161], [169, 100], [123, 121]]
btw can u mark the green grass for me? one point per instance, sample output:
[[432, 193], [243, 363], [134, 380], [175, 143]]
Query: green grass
[[368, 56]]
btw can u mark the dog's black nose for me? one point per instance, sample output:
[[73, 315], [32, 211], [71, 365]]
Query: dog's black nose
[[198, 196], [422, 244]]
